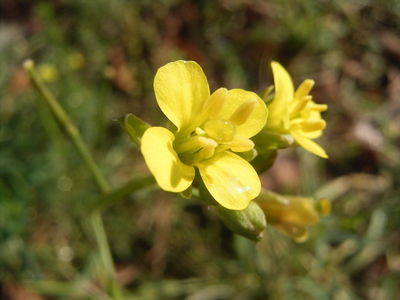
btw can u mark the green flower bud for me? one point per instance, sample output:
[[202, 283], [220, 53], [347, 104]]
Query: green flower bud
[[266, 94], [266, 139], [264, 160], [249, 222], [134, 127], [248, 155]]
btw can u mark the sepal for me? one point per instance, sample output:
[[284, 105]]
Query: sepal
[[249, 222], [264, 160], [266, 94], [248, 155], [134, 127], [267, 139]]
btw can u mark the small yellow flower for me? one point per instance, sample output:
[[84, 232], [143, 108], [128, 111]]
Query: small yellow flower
[[208, 129], [76, 60], [292, 215], [48, 72], [294, 112]]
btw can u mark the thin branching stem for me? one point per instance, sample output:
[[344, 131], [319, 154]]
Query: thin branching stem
[[95, 221]]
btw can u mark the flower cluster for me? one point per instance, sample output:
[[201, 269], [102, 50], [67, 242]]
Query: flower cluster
[[294, 112], [212, 136]]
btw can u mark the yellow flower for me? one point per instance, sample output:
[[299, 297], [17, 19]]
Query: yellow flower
[[48, 72], [76, 60], [208, 129], [292, 215], [294, 112]]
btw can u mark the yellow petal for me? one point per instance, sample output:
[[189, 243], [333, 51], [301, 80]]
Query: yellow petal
[[284, 92], [255, 120], [312, 115], [298, 233], [300, 211], [181, 89], [231, 180], [171, 174], [309, 144]]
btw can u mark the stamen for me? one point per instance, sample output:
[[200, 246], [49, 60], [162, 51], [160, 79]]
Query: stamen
[[318, 107], [304, 89], [243, 112], [206, 142], [216, 102], [211, 109], [241, 144], [206, 153], [313, 125], [299, 105], [187, 145], [199, 131]]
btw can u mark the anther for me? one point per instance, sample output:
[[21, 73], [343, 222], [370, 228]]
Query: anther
[[243, 112], [216, 102], [304, 88], [206, 153], [187, 145], [313, 125], [206, 142], [241, 144], [299, 105], [318, 107], [199, 131]]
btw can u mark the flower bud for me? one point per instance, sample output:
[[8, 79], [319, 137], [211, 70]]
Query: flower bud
[[248, 155], [292, 215], [134, 127], [267, 139], [249, 222], [264, 160]]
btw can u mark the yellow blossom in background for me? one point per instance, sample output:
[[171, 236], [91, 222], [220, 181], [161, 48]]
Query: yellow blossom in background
[[48, 72], [208, 129], [292, 215], [293, 112], [76, 60]]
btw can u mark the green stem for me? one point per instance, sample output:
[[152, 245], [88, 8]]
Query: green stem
[[67, 124], [120, 193], [61, 289], [96, 222]]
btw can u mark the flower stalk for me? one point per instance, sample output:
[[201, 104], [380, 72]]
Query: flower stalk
[[95, 222]]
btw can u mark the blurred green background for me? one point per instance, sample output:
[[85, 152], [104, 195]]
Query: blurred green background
[[99, 58]]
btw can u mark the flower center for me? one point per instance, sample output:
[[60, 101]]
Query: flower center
[[215, 134], [220, 130]]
